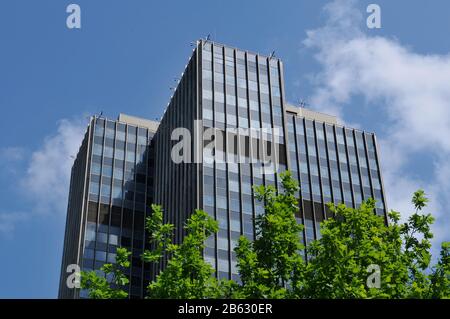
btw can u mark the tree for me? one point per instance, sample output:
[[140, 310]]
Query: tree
[[358, 255], [357, 240], [416, 236], [100, 287], [160, 235], [187, 275], [271, 266], [440, 277], [350, 242]]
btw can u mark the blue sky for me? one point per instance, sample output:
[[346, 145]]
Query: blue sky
[[393, 81]]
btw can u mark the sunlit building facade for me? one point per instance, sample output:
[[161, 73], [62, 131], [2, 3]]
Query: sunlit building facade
[[234, 92], [227, 88], [332, 164]]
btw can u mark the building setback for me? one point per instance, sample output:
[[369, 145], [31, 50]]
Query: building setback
[[225, 88], [111, 189]]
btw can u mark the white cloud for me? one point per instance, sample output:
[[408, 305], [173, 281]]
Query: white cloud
[[45, 183], [411, 94], [48, 175]]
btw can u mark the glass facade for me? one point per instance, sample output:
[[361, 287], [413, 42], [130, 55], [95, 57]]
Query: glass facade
[[117, 195], [332, 164], [239, 90], [122, 168]]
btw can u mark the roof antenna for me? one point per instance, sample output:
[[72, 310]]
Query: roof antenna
[[207, 39], [272, 55], [303, 103]]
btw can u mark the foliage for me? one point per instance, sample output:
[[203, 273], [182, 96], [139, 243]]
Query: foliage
[[349, 243], [100, 287], [357, 238], [340, 263], [160, 235], [272, 264], [440, 277], [187, 275]]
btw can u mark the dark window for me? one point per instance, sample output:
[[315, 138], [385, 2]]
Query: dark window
[[104, 214], [92, 212], [127, 218], [308, 212]]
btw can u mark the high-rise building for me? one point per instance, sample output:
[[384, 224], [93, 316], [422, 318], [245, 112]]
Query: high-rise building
[[241, 96], [332, 164], [110, 191], [227, 88]]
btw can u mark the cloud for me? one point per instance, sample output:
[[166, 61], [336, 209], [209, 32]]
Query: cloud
[[45, 183], [409, 92], [48, 175]]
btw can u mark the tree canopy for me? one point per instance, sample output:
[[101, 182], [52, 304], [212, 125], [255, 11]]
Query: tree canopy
[[358, 255]]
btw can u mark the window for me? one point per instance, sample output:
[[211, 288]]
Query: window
[[220, 117], [131, 157], [97, 149], [94, 188], [107, 171], [207, 55], [234, 205], [207, 114], [99, 130], [106, 190], [90, 236], [117, 192], [111, 258], [221, 202], [118, 173], [120, 135], [219, 97], [222, 243], [102, 238], [100, 255], [119, 154], [108, 151], [131, 138], [208, 200], [223, 267], [88, 254], [235, 225], [376, 182], [234, 185], [113, 239], [109, 132], [207, 74]]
